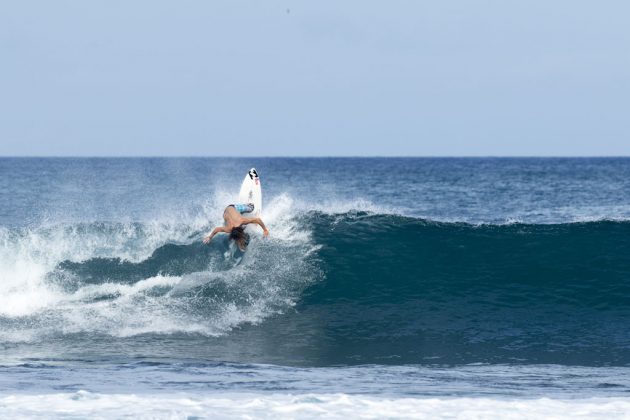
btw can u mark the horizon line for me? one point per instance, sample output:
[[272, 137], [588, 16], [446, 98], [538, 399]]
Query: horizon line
[[313, 157], [317, 157]]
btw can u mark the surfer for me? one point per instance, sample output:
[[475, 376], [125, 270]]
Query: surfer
[[235, 224]]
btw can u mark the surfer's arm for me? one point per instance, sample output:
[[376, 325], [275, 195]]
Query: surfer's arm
[[259, 222], [214, 232]]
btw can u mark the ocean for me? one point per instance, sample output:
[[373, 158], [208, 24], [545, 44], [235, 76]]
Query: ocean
[[388, 288]]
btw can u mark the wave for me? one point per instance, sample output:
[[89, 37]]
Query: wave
[[305, 405], [576, 264], [416, 290], [123, 280], [348, 287]]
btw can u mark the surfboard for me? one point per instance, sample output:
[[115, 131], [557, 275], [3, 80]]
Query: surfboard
[[251, 192]]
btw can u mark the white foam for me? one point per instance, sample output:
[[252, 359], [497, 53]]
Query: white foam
[[84, 404], [26, 256], [36, 307]]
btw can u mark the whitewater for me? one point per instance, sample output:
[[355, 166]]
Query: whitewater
[[417, 288]]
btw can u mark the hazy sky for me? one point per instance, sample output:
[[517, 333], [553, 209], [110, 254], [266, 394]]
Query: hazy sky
[[249, 78]]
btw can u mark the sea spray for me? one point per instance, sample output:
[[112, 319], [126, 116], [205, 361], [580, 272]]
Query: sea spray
[[128, 279]]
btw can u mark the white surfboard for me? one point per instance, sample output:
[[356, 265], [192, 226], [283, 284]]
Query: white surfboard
[[251, 192]]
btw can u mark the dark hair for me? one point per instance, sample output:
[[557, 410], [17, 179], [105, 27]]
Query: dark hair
[[240, 237]]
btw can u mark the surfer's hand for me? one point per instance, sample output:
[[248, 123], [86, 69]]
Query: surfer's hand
[[265, 233], [207, 239]]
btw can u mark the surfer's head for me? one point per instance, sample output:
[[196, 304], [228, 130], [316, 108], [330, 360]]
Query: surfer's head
[[239, 236]]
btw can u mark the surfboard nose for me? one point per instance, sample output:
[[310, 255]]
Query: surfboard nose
[[251, 192]]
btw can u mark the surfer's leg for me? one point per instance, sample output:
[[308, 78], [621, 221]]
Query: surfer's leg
[[244, 208]]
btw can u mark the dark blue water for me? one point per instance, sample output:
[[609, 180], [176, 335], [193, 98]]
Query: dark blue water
[[452, 269]]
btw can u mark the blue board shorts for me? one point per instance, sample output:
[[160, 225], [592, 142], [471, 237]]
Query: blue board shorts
[[243, 208]]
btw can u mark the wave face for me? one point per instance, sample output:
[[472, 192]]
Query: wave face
[[411, 290]]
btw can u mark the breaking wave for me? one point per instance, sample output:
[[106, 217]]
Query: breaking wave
[[364, 287]]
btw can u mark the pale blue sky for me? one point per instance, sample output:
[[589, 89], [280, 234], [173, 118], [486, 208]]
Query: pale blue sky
[[277, 78]]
